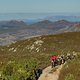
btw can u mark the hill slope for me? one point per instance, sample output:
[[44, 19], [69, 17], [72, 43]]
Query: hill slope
[[36, 51], [44, 45]]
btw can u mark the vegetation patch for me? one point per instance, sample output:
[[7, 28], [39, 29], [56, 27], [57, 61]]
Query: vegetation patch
[[18, 60]]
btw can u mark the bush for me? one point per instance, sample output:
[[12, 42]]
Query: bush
[[8, 71], [69, 77], [22, 70]]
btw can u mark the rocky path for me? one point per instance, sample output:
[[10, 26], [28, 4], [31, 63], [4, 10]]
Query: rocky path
[[51, 74]]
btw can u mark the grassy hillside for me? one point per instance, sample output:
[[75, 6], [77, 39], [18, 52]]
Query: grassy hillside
[[71, 71], [35, 52]]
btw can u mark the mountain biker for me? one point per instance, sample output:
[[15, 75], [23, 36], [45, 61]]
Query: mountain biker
[[53, 60]]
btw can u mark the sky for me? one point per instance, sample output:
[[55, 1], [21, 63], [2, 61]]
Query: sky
[[39, 6]]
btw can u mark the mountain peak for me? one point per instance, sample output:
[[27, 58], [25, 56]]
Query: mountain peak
[[63, 21], [15, 22], [46, 21]]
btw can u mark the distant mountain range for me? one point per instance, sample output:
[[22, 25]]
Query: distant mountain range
[[11, 24], [11, 31], [53, 19], [68, 18]]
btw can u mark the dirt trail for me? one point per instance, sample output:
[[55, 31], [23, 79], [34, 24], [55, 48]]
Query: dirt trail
[[51, 74]]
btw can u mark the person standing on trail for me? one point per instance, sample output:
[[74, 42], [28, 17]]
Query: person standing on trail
[[35, 73], [62, 59], [59, 59], [39, 72], [53, 60], [68, 56]]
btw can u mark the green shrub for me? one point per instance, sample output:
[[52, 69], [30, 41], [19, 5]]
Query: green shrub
[[22, 70], [8, 70], [69, 77]]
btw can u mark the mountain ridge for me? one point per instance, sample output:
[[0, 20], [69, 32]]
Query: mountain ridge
[[14, 30]]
